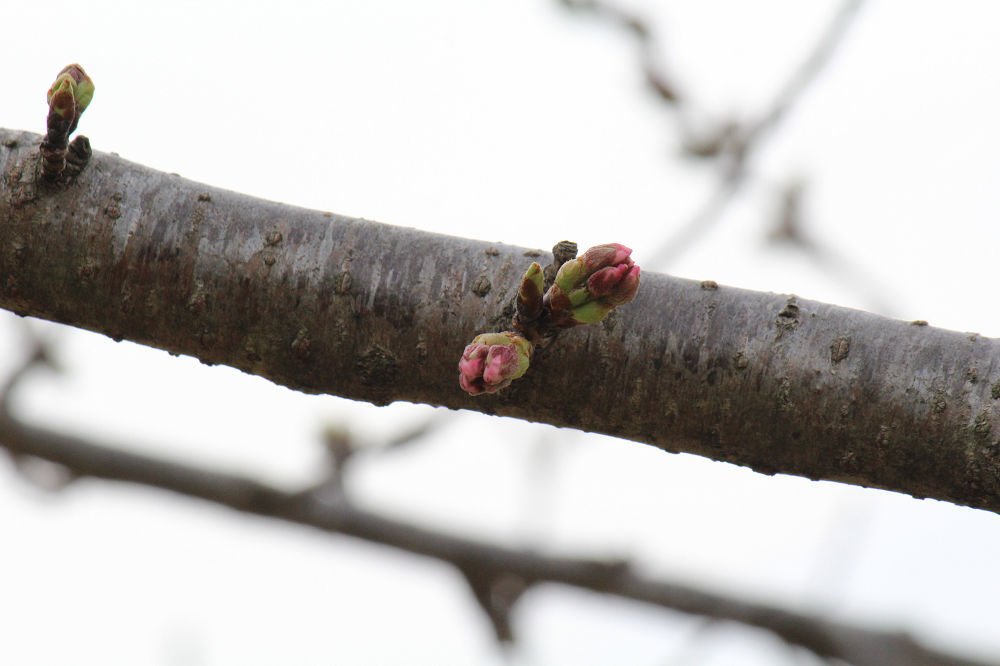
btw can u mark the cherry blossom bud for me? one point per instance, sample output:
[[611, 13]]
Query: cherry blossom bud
[[609, 254], [70, 95], [587, 288], [61, 99], [615, 285], [492, 361]]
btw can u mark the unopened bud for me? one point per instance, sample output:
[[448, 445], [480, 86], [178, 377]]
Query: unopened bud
[[530, 294], [68, 98], [61, 99], [587, 288], [492, 361]]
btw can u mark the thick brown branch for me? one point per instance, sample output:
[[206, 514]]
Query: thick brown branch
[[479, 561], [328, 304]]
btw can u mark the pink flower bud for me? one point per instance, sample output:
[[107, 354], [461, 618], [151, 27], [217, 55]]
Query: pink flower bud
[[604, 281], [473, 360], [609, 254], [624, 290], [492, 361], [589, 287], [472, 387], [501, 363]]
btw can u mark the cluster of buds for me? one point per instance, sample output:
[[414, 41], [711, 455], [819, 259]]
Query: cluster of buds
[[585, 290], [68, 98], [589, 287], [493, 361]]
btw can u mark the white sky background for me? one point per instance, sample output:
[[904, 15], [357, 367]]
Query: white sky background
[[518, 122]]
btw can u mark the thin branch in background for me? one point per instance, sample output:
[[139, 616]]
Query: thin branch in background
[[342, 448], [498, 574], [808, 70], [416, 433], [733, 145], [38, 472], [496, 593], [710, 210], [658, 81], [789, 229]]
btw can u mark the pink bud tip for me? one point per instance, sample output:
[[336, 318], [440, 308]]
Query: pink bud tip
[[492, 361], [470, 387], [500, 364], [625, 290], [609, 254], [604, 281], [473, 361], [622, 253]]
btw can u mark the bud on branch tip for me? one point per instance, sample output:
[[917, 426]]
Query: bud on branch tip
[[68, 97]]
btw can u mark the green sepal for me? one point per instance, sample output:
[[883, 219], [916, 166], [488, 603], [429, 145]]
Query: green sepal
[[61, 98], [529, 296], [591, 313], [571, 275], [534, 275], [84, 93], [578, 297]]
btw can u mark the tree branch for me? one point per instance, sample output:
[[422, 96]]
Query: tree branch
[[327, 304], [490, 568]]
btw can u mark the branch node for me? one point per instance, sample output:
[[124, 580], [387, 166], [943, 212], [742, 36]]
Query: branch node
[[496, 593]]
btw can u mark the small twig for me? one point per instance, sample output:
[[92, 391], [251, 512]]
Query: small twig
[[736, 145], [417, 432], [342, 449], [562, 252], [496, 592], [789, 229], [659, 83], [39, 472], [710, 210], [807, 71], [38, 354]]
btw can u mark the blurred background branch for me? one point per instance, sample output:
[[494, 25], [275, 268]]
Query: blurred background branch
[[498, 575], [731, 144]]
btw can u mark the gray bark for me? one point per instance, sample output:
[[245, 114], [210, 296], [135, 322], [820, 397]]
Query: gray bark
[[323, 303]]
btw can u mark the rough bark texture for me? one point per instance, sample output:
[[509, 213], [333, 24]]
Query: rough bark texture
[[327, 304]]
